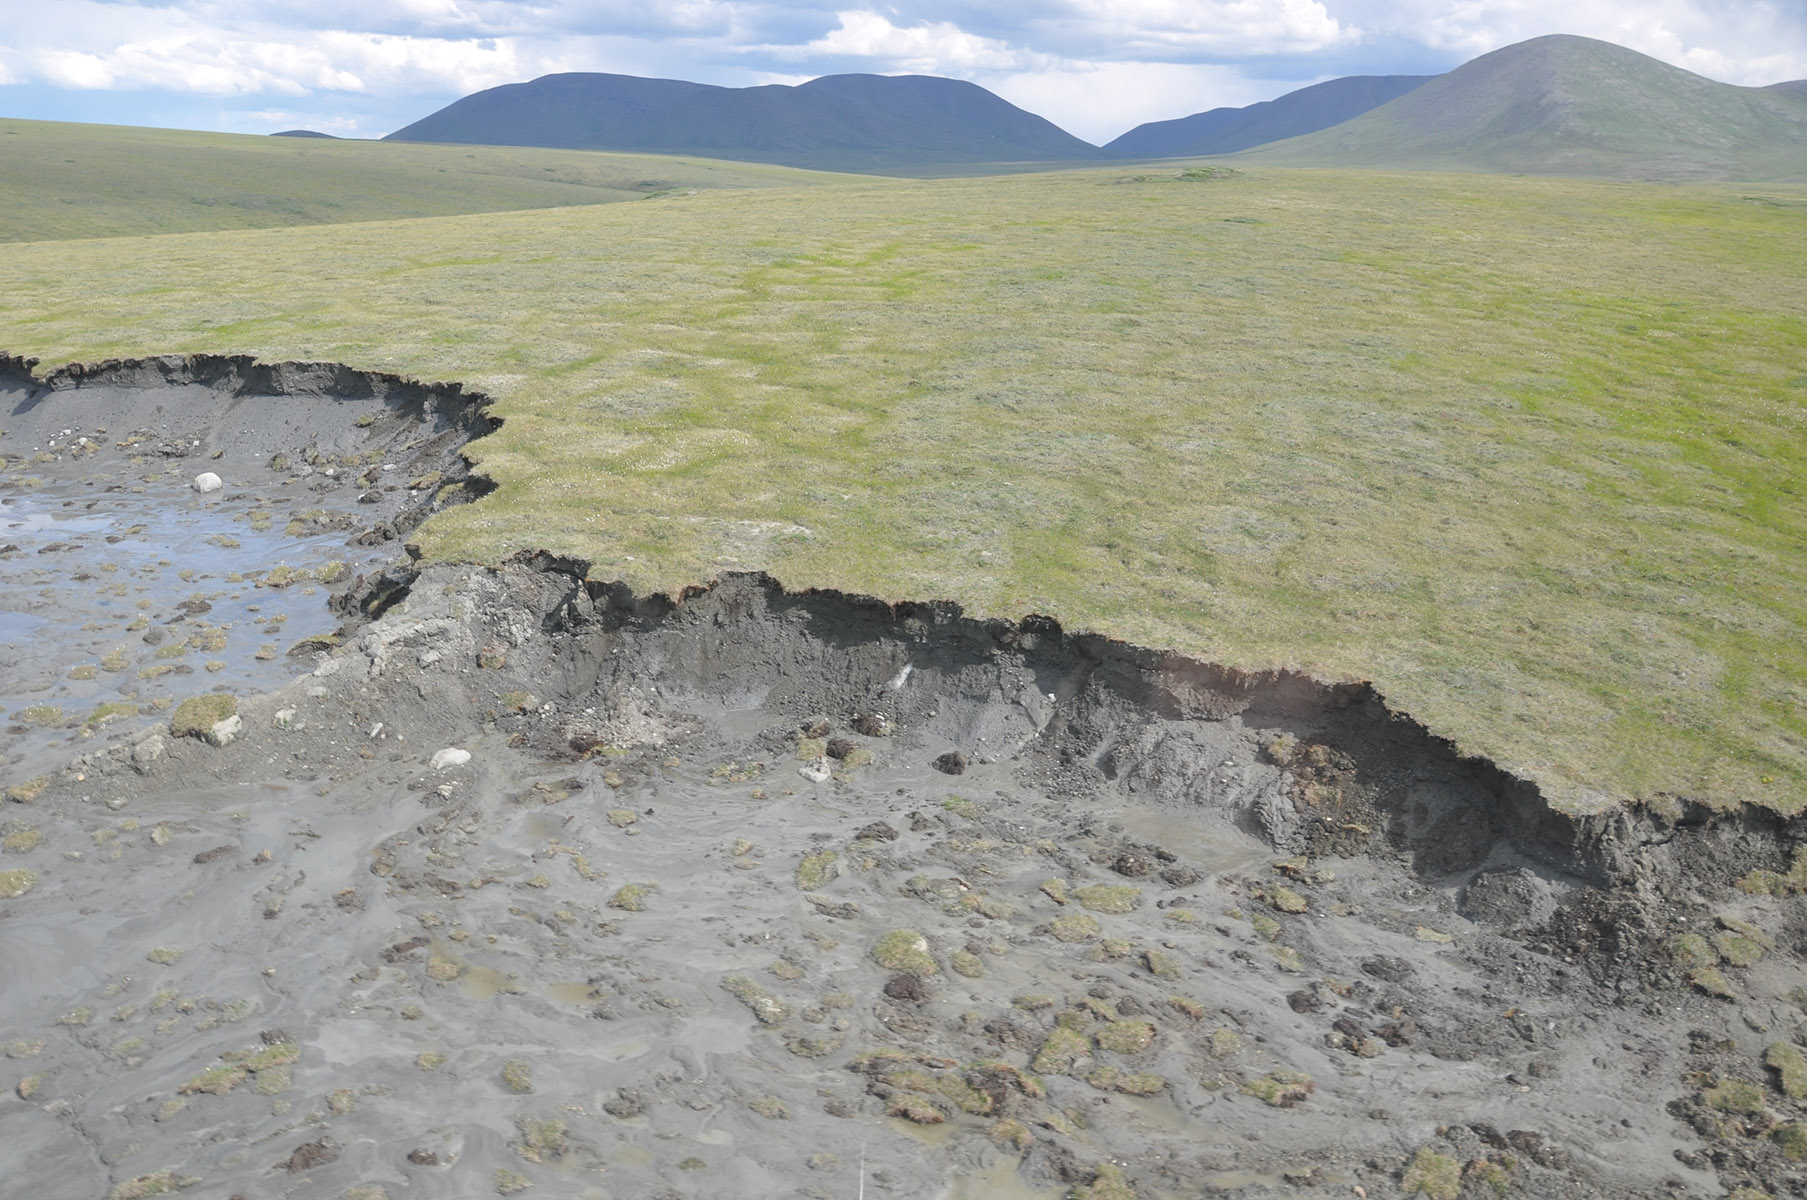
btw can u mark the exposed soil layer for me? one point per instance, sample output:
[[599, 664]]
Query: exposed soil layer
[[533, 881], [123, 587]]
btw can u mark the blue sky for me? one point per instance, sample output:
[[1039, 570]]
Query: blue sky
[[361, 68]]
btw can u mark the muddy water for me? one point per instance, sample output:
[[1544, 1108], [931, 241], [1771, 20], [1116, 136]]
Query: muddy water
[[93, 582]]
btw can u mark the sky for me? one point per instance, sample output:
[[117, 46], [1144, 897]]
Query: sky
[[1097, 68]]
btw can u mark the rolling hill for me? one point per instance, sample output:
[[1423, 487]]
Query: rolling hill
[[1225, 130], [837, 122], [1572, 106], [68, 180]]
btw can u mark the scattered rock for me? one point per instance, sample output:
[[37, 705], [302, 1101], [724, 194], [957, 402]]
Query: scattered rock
[[451, 756], [309, 1155], [906, 987], [878, 831], [951, 763], [207, 481], [221, 733]]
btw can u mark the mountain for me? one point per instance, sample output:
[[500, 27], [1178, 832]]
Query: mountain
[[1573, 106], [303, 133], [1224, 130], [838, 122]]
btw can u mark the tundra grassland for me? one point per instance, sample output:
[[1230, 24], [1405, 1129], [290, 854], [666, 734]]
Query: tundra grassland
[[1527, 453], [66, 180]]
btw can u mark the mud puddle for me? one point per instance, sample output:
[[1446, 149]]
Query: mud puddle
[[535, 882]]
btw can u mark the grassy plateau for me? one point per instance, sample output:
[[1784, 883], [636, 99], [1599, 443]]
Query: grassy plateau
[[73, 181], [1526, 452]]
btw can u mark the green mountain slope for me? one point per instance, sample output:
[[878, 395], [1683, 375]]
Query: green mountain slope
[[80, 181], [838, 122], [1573, 106], [1224, 130]]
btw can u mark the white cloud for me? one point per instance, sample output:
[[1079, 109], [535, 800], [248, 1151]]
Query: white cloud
[[938, 48], [1099, 101], [1752, 43], [1229, 27], [327, 61], [1095, 67]]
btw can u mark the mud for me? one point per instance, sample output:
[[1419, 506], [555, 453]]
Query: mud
[[760, 893]]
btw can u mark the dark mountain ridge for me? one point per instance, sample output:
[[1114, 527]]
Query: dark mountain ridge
[[837, 122], [1226, 130]]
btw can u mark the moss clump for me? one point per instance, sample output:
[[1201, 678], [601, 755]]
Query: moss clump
[[1791, 1140], [1108, 1184], [110, 711], [815, 870], [768, 1009], [157, 1183], [29, 791], [1433, 1175], [1772, 883], [968, 964], [1790, 1066], [541, 1139], [1161, 964], [517, 1076], [1734, 1096], [631, 897], [904, 950], [1263, 924], [918, 1110], [509, 1183], [1109, 897], [1287, 900], [1186, 1007], [281, 1054], [1736, 949], [197, 715], [1011, 1136], [39, 714], [1063, 1048], [1281, 1089], [771, 1108], [1126, 1037], [165, 956], [17, 882], [1712, 981], [1141, 1084], [1074, 927], [215, 1080]]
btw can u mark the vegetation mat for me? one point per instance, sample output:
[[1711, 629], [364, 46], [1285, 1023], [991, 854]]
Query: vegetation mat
[[1524, 452]]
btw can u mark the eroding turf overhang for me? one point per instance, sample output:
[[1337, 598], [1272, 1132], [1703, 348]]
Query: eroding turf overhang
[[1316, 768]]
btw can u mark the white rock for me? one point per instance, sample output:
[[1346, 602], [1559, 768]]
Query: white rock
[[451, 756], [815, 772], [284, 718], [428, 658], [207, 481], [223, 732]]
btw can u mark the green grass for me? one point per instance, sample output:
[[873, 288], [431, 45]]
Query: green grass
[[1524, 452], [83, 181]]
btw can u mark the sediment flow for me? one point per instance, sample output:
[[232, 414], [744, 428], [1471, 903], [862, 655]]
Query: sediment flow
[[529, 880]]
